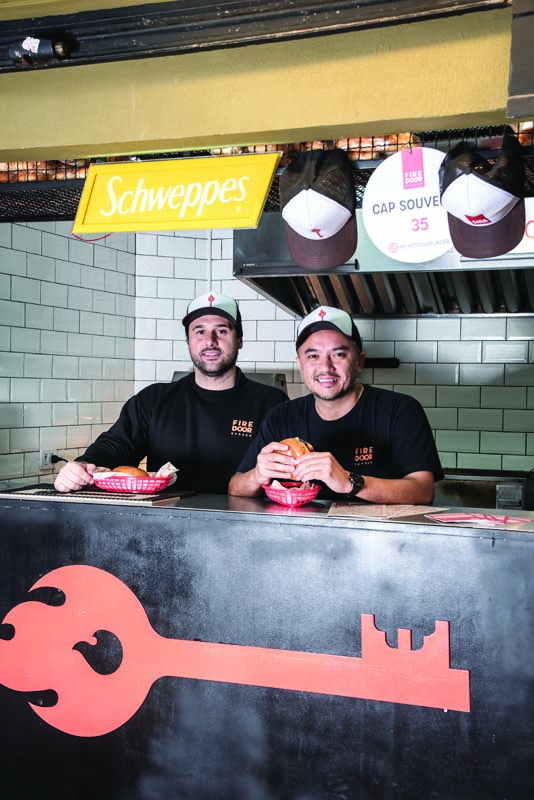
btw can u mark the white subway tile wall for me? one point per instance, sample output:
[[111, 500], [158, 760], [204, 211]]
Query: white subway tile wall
[[67, 342], [84, 325]]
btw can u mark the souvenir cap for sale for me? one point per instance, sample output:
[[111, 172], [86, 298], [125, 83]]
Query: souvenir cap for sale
[[214, 303], [485, 205], [328, 318], [318, 205]]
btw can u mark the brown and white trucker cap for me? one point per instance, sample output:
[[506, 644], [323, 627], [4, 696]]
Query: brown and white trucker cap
[[485, 203], [318, 205]]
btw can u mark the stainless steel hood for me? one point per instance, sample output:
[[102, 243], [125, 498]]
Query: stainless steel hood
[[373, 285]]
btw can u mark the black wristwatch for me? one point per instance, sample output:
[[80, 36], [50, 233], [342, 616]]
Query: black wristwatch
[[358, 482]]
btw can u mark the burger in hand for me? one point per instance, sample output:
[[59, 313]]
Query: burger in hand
[[297, 447]]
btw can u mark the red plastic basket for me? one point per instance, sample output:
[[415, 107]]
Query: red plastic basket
[[289, 495], [128, 483]]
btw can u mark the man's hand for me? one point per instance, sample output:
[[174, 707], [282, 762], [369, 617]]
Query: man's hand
[[74, 475], [273, 462], [415, 488], [323, 467]]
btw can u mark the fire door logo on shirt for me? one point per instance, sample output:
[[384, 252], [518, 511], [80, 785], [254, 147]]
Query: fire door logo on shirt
[[97, 651], [363, 455], [242, 427]]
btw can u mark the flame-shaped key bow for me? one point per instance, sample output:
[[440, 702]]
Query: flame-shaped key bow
[[40, 656]]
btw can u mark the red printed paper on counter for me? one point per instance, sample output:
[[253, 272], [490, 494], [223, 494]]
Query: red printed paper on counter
[[488, 520]]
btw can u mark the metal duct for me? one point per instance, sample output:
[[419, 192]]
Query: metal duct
[[375, 286]]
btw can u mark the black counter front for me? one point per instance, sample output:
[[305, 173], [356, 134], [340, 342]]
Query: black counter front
[[227, 649]]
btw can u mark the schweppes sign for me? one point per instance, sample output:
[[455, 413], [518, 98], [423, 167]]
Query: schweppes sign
[[181, 194]]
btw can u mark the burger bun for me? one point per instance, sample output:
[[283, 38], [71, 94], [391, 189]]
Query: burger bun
[[135, 472], [297, 447]]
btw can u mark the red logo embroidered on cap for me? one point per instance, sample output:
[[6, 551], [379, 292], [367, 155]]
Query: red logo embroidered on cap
[[211, 299], [317, 232], [480, 219], [322, 314]]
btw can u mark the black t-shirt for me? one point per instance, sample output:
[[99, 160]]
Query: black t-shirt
[[386, 435], [204, 433]]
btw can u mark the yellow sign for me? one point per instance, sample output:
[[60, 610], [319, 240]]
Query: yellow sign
[[178, 194]]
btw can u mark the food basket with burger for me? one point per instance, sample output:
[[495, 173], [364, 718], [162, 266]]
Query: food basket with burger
[[134, 479], [293, 493]]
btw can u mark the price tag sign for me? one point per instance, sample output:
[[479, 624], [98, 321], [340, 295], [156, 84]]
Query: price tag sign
[[401, 209]]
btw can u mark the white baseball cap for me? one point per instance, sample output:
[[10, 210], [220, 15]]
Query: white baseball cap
[[328, 318], [214, 303]]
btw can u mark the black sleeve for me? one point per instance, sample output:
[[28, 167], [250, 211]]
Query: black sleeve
[[269, 432], [414, 447], [126, 441], [268, 398], [277, 397]]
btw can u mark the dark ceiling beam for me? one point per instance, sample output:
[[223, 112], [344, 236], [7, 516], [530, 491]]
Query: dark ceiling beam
[[521, 83], [163, 29]]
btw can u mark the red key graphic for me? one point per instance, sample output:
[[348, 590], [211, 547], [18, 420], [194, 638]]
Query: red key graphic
[[40, 657]]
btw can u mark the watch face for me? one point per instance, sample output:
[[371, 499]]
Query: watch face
[[358, 482]]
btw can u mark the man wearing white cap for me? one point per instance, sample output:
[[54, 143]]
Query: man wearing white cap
[[368, 443], [202, 423]]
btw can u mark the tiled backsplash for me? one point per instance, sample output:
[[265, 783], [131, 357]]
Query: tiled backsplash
[[85, 324], [67, 327]]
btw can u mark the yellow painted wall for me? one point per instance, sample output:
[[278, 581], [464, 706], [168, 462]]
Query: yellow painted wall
[[428, 75]]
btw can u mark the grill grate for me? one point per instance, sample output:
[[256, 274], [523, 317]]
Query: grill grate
[[55, 204]]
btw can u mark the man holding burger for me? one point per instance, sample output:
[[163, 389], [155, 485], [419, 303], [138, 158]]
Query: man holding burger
[[369, 444], [202, 423]]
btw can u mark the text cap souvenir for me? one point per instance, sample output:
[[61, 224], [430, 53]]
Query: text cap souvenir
[[485, 205], [318, 205]]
